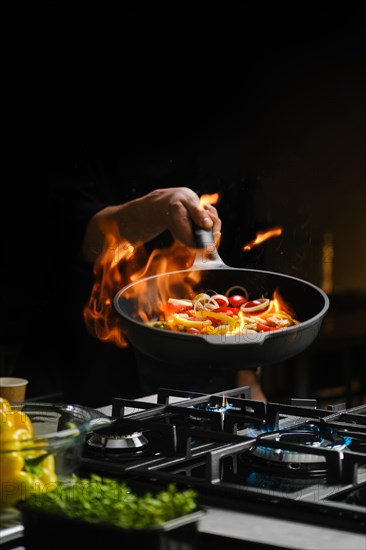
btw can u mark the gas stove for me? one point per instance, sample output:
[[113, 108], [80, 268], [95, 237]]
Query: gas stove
[[290, 462], [268, 475]]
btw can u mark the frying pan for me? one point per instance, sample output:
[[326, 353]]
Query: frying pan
[[241, 351]]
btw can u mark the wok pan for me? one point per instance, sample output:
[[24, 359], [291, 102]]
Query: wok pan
[[309, 303]]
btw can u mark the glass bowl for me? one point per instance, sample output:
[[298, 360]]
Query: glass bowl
[[40, 445]]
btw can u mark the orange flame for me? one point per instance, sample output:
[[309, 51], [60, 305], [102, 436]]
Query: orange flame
[[122, 263], [263, 236], [209, 199], [278, 304]]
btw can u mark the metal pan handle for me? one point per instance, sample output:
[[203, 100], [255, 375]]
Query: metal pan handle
[[207, 256]]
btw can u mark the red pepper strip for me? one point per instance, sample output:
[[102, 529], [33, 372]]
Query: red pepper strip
[[216, 322]]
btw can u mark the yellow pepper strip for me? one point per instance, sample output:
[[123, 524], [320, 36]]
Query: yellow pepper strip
[[225, 319], [190, 324]]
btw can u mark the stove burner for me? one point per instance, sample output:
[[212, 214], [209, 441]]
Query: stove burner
[[215, 407], [308, 436], [211, 407], [117, 442]]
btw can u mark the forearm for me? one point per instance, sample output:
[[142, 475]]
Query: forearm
[[134, 221], [142, 219]]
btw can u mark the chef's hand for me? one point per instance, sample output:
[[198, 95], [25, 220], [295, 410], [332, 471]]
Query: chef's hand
[[175, 209], [140, 220]]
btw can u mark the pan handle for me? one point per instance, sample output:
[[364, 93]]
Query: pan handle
[[207, 256]]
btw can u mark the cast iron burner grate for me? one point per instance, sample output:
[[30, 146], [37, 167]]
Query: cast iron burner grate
[[292, 460]]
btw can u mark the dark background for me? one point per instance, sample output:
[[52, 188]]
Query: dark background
[[274, 93]]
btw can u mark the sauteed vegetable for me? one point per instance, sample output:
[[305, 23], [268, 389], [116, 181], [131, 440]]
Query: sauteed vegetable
[[229, 314]]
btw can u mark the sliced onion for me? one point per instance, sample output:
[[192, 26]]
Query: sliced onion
[[210, 291], [263, 304], [201, 296], [212, 304], [204, 304]]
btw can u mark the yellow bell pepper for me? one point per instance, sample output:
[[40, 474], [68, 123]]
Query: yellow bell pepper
[[14, 440], [22, 420], [6, 423], [17, 487], [15, 418], [48, 476], [18, 479], [9, 464], [5, 405]]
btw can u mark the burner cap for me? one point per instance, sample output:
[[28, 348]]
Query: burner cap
[[308, 437], [117, 442]]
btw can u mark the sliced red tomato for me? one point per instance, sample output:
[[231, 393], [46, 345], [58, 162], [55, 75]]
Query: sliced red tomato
[[237, 300], [193, 330], [220, 299]]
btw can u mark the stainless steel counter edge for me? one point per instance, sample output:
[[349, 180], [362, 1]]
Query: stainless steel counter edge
[[284, 533]]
